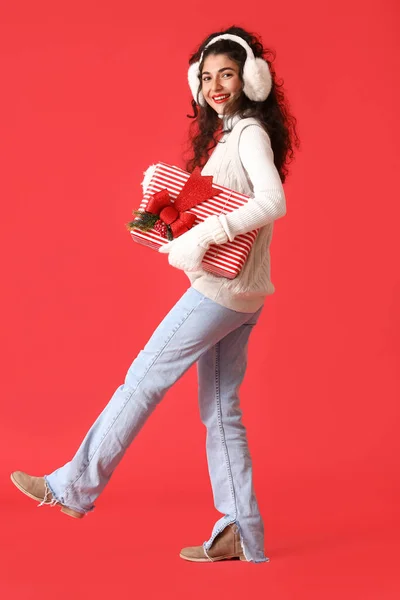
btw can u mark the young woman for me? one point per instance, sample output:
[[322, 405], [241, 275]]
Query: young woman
[[236, 95]]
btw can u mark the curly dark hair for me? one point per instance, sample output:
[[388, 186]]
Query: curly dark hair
[[273, 114]]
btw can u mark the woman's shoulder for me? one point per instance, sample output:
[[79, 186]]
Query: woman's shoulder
[[246, 122], [248, 132], [253, 140], [250, 127]]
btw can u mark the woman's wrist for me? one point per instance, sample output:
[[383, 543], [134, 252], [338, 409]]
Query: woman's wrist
[[210, 232]]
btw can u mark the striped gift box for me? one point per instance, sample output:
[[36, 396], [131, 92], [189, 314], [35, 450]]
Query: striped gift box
[[225, 259]]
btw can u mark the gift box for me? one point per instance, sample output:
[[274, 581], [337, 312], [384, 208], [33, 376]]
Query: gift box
[[175, 200]]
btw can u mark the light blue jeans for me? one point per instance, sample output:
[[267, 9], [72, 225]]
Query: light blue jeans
[[196, 329]]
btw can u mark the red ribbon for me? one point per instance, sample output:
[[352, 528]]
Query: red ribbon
[[175, 214]]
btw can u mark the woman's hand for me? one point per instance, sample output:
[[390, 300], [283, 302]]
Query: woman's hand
[[186, 252]]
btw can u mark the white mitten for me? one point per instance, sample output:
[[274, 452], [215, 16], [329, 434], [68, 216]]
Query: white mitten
[[186, 251]]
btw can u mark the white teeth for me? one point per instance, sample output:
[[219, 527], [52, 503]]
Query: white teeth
[[221, 97]]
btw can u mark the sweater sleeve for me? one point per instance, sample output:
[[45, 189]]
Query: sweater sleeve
[[268, 202]]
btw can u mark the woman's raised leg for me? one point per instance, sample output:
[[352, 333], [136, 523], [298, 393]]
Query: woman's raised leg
[[193, 326]]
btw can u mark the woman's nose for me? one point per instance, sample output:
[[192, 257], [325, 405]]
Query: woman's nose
[[216, 85]]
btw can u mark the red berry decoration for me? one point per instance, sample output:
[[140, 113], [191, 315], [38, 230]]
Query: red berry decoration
[[161, 228]]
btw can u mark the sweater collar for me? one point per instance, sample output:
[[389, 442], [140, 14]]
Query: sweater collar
[[229, 122]]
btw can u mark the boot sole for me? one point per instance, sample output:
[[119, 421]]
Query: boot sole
[[64, 509], [219, 558]]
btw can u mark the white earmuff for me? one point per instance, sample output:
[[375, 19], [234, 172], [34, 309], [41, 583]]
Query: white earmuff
[[256, 74]]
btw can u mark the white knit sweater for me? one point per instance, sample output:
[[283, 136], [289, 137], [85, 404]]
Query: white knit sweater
[[243, 160]]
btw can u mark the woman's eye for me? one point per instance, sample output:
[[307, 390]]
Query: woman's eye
[[223, 75]]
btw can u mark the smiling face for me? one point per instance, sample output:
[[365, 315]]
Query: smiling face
[[220, 81]]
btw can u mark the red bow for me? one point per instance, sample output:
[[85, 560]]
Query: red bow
[[160, 204], [196, 189]]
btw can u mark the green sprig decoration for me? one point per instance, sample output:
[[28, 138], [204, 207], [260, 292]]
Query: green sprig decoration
[[147, 220]]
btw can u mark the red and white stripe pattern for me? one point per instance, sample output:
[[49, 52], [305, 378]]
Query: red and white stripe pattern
[[225, 259]]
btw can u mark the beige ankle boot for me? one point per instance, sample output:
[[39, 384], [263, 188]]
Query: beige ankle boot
[[37, 488], [226, 546]]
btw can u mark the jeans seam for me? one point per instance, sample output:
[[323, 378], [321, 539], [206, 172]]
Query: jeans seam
[[129, 396], [228, 520], [220, 424]]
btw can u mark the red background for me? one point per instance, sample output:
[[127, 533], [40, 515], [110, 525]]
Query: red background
[[93, 93]]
